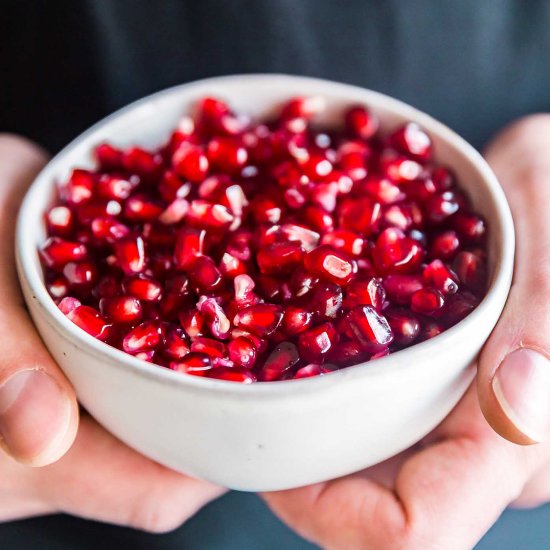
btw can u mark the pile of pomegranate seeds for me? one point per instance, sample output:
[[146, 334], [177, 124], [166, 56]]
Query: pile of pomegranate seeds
[[251, 251]]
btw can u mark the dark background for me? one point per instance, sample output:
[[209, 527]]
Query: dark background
[[64, 64]]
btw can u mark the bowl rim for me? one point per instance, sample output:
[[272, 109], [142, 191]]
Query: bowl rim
[[497, 292]]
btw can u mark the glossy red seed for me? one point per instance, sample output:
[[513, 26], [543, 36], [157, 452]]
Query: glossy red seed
[[56, 252], [60, 221], [315, 343], [359, 215], [369, 328], [143, 163], [226, 154], [400, 169], [190, 162], [79, 188], [125, 310], [469, 226], [308, 238], [205, 276], [189, 245], [242, 352], [295, 320], [365, 291], [193, 363], [80, 274], [347, 353], [58, 287], [330, 264], [437, 274], [400, 288], [471, 271], [130, 254], [91, 321], [234, 374], [361, 123], [404, 325], [310, 370], [108, 157], [396, 253], [113, 187], [143, 288], [108, 229], [458, 307], [440, 207], [212, 348], [427, 301], [413, 141], [280, 360], [445, 245], [279, 258], [175, 344], [349, 242], [144, 337], [318, 219], [193, 323], [67, 304], [326, 300], [214, 316], [206, 215], [259, 319]]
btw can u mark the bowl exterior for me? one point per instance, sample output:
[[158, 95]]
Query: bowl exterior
[[290, 433]]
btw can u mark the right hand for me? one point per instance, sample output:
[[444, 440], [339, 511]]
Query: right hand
[[42, 471]]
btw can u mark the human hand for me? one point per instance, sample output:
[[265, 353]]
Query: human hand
[[99, 477], [448, 490]]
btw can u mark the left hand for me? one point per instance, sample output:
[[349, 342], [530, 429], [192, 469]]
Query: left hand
[[448, 490]]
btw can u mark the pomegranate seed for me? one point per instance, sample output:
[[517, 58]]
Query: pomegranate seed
[[295, 320], [471, 271], [315, 343], [68, 304], [405, 326], [469, 226], [242, 352], [279, 258], [56, 252], [206, 215], [442, 178], [90, 320], [265, 210], [349, 242], [279, 362], [144, 337], [260, 319], [303, 107], [212, 348], [108, 229], [193, 323], [369, 328], [330, 264], [79, 187], [360, 215], [143, 163], [318, 219], [80, 274], [124, 310], [361, 123], [427, 301], [205, 276], [347, 353], [298, 233], [429, 330], [365, 291], [327, 300], [189, 245], [130, 254], [437, 275], [310, 370], [175, 345], [459, 306], [441, 207], [193, 363], [396, 253], [413, 141], [143, 288], [215, 317], [60, 221], [113, 187], [445, 245], [190, 162], [400, 288], [232, 375], [226, 154]]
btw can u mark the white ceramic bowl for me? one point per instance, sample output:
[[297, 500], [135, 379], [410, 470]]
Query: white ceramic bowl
[[278, 435]]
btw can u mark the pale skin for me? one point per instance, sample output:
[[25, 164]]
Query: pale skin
[[444, 493]]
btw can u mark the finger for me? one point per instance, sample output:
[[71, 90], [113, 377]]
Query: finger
[[38, 410], [514, 369], [445, 496], [102, 479]]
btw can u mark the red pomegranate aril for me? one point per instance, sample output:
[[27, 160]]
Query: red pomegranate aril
[[130, 254], [369, 328], [259, 319], [57, 252], [428, 301], [404, 325], [445, 245], [469, 226], [365, 291], [60, 221], [80, 274], [193, 363], [245, 251], [91, 321], [400, 288], [361, 123], [359, 215], [68, 304], [234, 374], [189, 246], [326, 300], [279, 258], [413, 141], [125, 310], [58, 288], [437, 274], [330, 264], [205, 276], [280, 361], [315, 343], [242, 352], [310, 370], [143, 288], [295, 320], [348, 241], [190, 162], [145, 337], [79, 187]]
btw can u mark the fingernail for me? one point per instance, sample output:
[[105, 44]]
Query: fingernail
[[34, 415], [521, 385]]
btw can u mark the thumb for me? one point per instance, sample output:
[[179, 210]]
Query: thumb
[[514, 366], [38, 410]]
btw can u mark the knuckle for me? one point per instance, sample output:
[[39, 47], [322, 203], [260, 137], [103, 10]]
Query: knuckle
[[154, 516]]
